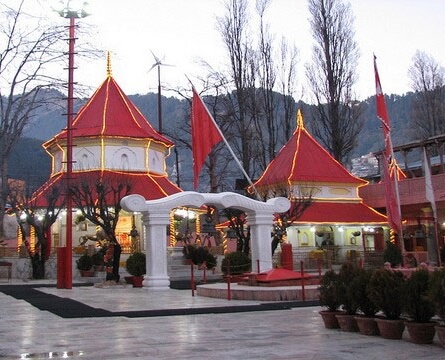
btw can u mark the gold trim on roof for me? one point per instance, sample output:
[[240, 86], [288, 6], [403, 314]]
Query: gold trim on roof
[[300, 123], [109, 64]]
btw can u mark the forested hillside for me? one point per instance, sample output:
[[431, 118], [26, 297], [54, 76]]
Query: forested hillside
[[31, 163]]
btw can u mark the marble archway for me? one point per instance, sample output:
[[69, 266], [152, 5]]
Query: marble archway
[[155, 217]]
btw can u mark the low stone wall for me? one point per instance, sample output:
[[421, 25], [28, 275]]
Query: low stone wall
[[240, 292], [21, 267]]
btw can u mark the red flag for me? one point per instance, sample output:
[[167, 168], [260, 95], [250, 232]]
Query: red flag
[[205, 135], [391, 171]]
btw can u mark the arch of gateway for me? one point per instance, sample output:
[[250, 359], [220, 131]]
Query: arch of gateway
[[155, 219]]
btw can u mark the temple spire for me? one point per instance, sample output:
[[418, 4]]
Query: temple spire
[[108, 64], [300, 123]]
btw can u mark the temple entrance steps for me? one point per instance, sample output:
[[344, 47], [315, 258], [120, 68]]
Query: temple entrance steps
[[179, 269]]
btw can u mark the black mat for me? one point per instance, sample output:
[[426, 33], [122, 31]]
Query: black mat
[[68, 308]]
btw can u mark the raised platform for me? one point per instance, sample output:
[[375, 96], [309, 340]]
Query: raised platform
[[260, 293]]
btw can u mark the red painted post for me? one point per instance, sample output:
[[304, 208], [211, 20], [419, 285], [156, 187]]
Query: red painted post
[[192, 279], [229, 293], [303, 295], [61, 268]]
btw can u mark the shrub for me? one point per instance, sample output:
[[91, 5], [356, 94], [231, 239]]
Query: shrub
[[98, 258], [85, 262], [237, 262], [348, 272], [386, 290], [417, 303], [199, 255], [329, 290], [436, 292], [392, 254], [358, 292], [136, 264]]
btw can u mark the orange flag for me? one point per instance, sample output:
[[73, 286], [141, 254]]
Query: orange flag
[[205, 135]]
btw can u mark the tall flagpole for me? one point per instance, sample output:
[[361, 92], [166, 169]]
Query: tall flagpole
[[429, 194], [391, 165], [229, 147], [396, 189]]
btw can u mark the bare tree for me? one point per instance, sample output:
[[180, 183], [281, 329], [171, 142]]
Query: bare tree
[[99, 202], [287, 80], [244, 100], [300, 196], [233, 29], [254, 104], [428, 82], [267, 80], [41, 218], [25, 54], [331, 76], [237, 222]]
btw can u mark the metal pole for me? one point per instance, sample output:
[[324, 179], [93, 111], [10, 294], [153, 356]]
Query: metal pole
[[69, 160], [303, 293], [192, 279], [159, 101]]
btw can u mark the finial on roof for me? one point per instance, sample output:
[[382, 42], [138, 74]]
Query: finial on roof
[[300, 123], [108, 64]]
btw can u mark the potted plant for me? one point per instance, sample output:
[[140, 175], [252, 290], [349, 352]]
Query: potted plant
[[136, 266], [200, 256], [85, 265], [98, 260], [386, 290], [330, 299], [348, 272], [235, 263], [419, 307], [358, 292], [436, 293], [392, 254]]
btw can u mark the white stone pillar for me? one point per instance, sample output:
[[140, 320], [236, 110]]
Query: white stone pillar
[[155, 218], [155, 224], [260, 223]]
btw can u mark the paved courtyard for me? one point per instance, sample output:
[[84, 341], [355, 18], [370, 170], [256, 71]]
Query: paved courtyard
[[173, 324]]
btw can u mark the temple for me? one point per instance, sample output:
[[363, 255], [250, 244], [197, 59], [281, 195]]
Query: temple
[[331, 213]]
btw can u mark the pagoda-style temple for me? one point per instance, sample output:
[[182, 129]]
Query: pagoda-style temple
[[334, 215], [112, 140]]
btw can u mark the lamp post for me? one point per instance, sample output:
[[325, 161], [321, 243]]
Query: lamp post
[[72, 10]]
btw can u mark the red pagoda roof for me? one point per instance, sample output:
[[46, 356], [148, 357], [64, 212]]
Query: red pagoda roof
[[303, 159], [110, 113], [341, 213], [148, 185]]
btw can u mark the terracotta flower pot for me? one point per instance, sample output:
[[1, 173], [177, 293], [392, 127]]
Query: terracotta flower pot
[[421, 333], [390, 329], [87, 273], [347, 322], [440, 331], [329, 319], [137, 281], [129, 279], [367, 325]]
